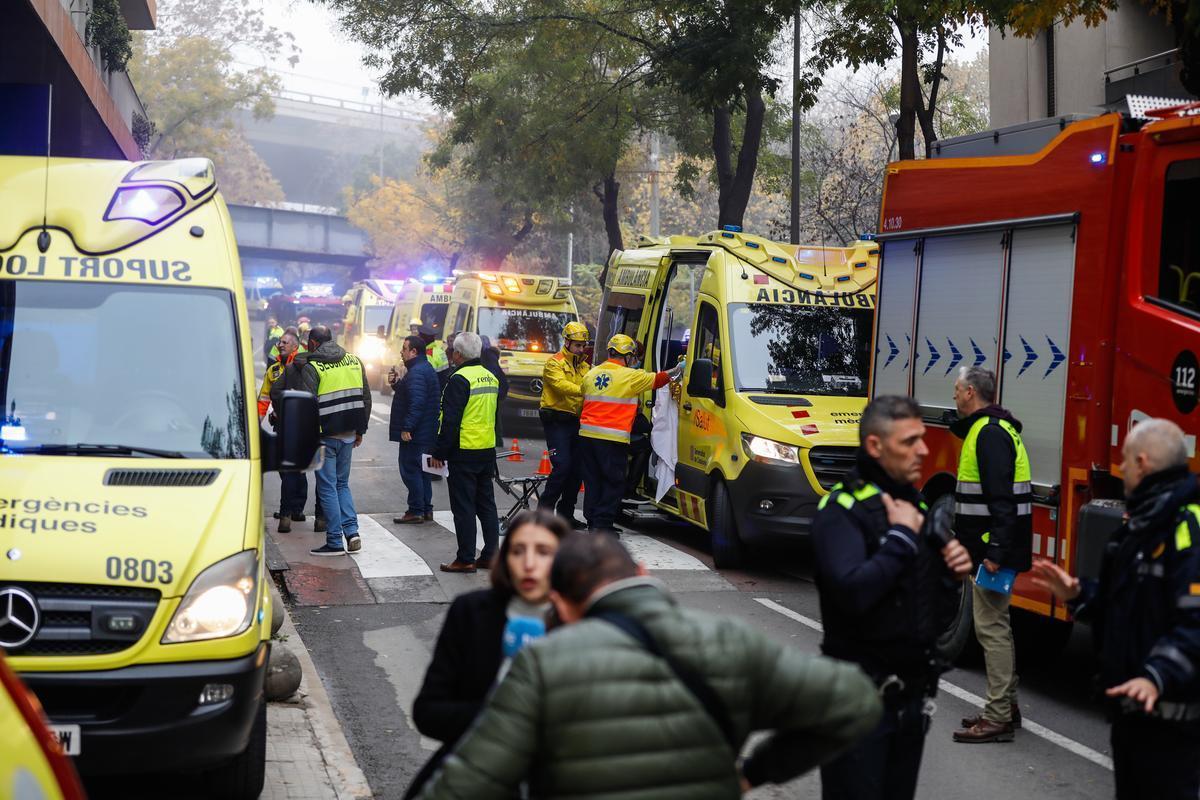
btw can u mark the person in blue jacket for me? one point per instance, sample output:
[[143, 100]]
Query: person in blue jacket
[[414, 424]]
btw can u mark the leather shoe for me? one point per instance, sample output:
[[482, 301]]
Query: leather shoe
[[969, 722], [576, 523], [428, 517], [408, 519], [459, 566], [985, 731], [483, 563]]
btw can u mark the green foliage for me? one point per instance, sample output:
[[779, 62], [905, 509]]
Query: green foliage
[[106, 29], [187, 79]]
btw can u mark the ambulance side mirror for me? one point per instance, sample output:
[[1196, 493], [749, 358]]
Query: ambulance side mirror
[[700, 379], [295, 444]]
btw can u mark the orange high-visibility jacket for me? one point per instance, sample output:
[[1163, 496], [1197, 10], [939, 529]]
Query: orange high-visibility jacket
[[610, 399]]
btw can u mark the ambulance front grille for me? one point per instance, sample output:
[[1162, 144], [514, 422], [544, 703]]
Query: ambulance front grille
[[78, 619], [160, 477], [830, 464]]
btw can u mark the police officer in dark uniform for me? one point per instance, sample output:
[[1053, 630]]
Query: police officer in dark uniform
[[888, 586], [1145, 615]]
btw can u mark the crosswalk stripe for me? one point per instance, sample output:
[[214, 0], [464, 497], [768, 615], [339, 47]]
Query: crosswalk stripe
[[654, 554], [383, 555]]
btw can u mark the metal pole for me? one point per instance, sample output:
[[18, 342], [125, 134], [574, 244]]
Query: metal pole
[[654, 184], [796, 129], [571, 250]]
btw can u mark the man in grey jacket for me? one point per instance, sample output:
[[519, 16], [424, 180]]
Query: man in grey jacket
[[637, 698]]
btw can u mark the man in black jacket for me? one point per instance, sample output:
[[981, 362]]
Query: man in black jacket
[[467, 441], [1145, 616], [994, 519], [887, 590]]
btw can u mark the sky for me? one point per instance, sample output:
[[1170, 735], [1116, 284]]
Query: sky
[[331, 65]]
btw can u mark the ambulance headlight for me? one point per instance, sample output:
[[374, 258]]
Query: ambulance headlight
[[769, 451], [148, 204], [219, 603], [370, 348]]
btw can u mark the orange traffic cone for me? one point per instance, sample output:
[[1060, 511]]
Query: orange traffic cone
[[544, 466], [514, 452]]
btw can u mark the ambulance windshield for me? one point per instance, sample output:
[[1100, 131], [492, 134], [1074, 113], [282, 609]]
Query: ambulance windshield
[[524, 329], [375, 317], [800, 349], [101, 368]]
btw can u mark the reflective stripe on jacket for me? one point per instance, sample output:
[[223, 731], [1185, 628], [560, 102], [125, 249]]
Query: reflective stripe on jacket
[[610, 399], [340, 395], [562, 381], [994, 519], [478, 428]]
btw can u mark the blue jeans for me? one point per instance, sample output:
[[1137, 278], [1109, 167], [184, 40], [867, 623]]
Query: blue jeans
[[333, 487], [416, 480]]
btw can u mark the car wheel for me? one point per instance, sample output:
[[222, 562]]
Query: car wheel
[[244, 776], [727, 548]]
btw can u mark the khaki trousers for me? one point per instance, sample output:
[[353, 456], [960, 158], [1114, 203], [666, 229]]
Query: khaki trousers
[[993, 629]]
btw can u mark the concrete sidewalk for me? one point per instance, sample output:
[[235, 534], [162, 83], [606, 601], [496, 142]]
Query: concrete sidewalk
[[308, 757]]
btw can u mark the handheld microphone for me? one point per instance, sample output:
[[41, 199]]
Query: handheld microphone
[[520, 631]]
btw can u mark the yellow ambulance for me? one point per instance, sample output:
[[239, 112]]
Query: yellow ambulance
[[131, 458], [426, 299], [778, 344], [521, 315], [369, 307]]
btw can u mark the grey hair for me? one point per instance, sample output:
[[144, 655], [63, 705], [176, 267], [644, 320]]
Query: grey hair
[[468, 345], [983, 381], [880, 413], [1161, 440]]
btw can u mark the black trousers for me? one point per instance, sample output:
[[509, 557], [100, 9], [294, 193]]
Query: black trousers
[[472, 496], [603, 480], [562, 487], [293, 493], [884, 766], [1155, 760]]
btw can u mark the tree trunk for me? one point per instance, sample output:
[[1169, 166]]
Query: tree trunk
[[498, 247], [926, 113], [736, 185], [910, 91], [608, 192]]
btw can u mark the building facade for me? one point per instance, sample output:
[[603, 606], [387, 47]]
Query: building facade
[[1074, 69], [91, 109]]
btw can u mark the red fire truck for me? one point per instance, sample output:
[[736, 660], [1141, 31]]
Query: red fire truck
[[1060, 255]]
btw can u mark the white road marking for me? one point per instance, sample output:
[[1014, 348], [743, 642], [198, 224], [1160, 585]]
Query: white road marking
[[656, 555], [651, 552], [1070, 745], [380, 420], [383, 555]]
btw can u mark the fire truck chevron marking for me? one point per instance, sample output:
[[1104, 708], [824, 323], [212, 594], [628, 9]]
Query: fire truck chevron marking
[[1056, 358], [934, 355], [955, 356], [1030, 357], [979, 356], [893, 351]]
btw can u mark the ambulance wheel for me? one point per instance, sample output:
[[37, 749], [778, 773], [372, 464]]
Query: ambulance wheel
[[727, 548], [959, 633], [244, 776]]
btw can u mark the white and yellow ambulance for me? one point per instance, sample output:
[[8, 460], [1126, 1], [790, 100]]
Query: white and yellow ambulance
[[778, 344], [132, 569], [426, 300], [369, 307], [521, 315]]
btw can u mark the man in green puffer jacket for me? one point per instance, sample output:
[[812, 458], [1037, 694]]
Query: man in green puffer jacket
[[590, 712]]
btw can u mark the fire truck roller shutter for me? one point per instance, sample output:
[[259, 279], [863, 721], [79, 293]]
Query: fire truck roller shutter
[[894, 317], [1037, 327], [958, 314]]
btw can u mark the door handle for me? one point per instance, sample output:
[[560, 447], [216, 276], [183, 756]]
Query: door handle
[[687, 406]]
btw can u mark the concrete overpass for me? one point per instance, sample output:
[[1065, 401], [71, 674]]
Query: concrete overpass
[[299, 246], [316, 146]]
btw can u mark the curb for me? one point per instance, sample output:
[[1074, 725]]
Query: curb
[[350, 783]]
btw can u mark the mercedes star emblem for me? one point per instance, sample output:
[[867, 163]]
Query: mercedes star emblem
[[19, 617], [536, 385]]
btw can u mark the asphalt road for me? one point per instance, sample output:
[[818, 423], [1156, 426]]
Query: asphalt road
[[370, 624]]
